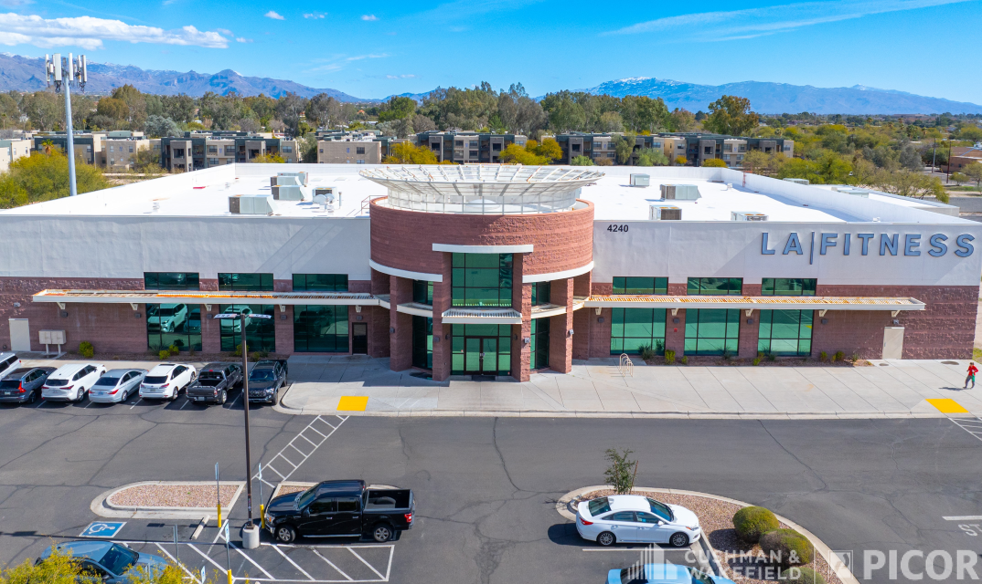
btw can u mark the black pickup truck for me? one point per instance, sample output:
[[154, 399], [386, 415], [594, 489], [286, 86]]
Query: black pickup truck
[[215, 382], [341, 509]]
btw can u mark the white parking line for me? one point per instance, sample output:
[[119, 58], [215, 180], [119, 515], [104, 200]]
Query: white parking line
[[184, 405], [961, 518], [380, 575], [279, 455], [136, 403], [333, 565], [293, 563], [44, 401], [177, 562], [206, 557]]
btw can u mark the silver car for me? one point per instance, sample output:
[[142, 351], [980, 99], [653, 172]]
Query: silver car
[[117, 386]]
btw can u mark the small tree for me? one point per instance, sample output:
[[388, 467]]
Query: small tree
[[620, 474], [268, 158], [681, 160], [58, 568], [714, 163], [410, 153], [581, 160], [652, 157], [974, 172]]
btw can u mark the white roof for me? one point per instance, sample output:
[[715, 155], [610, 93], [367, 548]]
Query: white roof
[[628, 502], [206, 193]]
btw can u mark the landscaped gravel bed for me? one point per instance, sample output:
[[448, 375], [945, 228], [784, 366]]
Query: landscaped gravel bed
[[174, 495], [741, 561], [286, 488]]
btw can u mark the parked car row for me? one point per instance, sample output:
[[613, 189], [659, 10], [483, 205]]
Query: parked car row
[[76, 381]]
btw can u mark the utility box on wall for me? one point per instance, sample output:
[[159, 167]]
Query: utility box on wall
[[51, 336]]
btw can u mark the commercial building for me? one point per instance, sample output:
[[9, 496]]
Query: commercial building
[[465, 147], [12, 150], [203, 150], [964, 156], [492, 270]]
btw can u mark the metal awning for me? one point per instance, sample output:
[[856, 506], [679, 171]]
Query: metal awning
[[482, 316], [208, 298], [820, 303]]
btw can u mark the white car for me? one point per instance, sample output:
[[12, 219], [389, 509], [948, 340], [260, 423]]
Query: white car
[[166, 380], [633, 518], [8, 363], [168, 318], [116, 386], [71, 382]]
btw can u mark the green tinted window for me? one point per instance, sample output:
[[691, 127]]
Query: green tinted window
[[422, 341], [481, 280], [712, 332], [320, 282], [423, 292], [640, 285], [541, 293], [631, 329], [320, 329], [468, 341], [170, 281], [260, 334], [715, 286], [245, 281], [785, 332], [539, 358], [174, 325], [788, 286]]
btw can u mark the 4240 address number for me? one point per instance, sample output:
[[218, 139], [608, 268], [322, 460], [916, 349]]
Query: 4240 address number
[[617, 228]]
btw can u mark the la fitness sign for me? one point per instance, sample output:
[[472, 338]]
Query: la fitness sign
[[867, 243]]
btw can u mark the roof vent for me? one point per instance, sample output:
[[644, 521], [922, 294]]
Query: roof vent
[[679, 191], [798, 180], [748, 216], [656, 212], [640, 180]]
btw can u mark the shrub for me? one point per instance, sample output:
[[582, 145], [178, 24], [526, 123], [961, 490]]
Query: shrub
[[787, 547], [164, 354], [669, 356], [756, 361], [801, 576], [727, 355], [86, 349], [254, 356], [647, 353], [684, 360], [772, 357], [620, 473], [174, 350], [838, 356], [752, 521], [855, 357], [823, 356]]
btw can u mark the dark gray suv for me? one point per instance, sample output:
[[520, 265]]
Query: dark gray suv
[[23, 386]]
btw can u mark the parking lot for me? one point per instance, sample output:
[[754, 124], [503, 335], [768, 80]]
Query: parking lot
[[485, 488]]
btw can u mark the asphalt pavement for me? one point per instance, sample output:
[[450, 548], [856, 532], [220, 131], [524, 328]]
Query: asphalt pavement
[[485, 487]]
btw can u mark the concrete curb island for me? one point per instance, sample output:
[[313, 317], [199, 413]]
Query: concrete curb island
[[103, 507], [840, 569]]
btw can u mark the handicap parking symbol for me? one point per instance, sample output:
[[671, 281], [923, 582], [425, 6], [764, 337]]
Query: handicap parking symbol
[[102, 529]]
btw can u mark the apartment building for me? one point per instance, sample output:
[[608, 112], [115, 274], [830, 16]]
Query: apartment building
[[701, 147], [202, 150], [12, 150], [88, 146], [120, 148], [696, 148], [350, 147], [467, 147]]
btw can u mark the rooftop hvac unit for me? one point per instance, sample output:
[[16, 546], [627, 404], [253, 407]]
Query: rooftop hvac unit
[[332, 194], [679, 191], [249, 205], [748, 216], [275, 189], [640, 180], [300, 175], [852, 192], [664, 213], [290, 193], [797, 180]]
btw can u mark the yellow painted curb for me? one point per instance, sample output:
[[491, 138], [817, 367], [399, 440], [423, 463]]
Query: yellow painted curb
[[947, 406], [352, 403]]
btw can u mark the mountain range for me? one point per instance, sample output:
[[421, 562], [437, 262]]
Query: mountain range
[[25, 74]]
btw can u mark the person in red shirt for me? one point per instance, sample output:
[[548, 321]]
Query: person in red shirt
[[972, 370]]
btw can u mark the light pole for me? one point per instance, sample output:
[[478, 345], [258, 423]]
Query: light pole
[[250, 535], [62, 75]]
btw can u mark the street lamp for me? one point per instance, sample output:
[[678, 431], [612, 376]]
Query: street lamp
[[63, 74], [250, 535]]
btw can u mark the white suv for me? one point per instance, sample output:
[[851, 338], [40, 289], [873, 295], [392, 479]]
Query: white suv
[[8, 362], [166, 380], [71, 382]]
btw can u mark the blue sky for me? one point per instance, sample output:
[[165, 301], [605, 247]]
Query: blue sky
[[927, 47]]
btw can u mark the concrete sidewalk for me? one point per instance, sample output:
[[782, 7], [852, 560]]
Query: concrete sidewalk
[[889, 389]]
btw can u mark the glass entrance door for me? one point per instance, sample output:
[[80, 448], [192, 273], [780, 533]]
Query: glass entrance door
[[480, 355]]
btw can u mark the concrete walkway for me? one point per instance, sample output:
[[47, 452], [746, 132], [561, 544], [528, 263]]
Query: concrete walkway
[[889, 389]]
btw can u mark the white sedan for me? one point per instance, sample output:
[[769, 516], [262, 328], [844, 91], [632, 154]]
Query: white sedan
[[116, 386], [633, 518], [166, 380]]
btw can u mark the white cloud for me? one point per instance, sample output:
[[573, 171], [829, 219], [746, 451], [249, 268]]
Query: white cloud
[[15, 3], [242, 40], [225, 32], [315, 15], [403, 76], [369, 17], [89, 33], [756, 22], [338, 62], [274, 15], [464, 9], [369, 56]]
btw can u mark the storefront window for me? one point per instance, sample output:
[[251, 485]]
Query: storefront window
[[482, 280], [640, 285], [320, 282], [245, 281], [541, 293], [785, 332], [634, 328], [320, 329], [422, 342], [712, 332], [788, 287], [423, 292], [481, 349], [715, 286], [173, 324], [539, 358]]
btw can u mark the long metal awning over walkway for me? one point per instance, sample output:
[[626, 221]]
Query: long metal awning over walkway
[[207, 298], [482, 316], [820, 303]]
